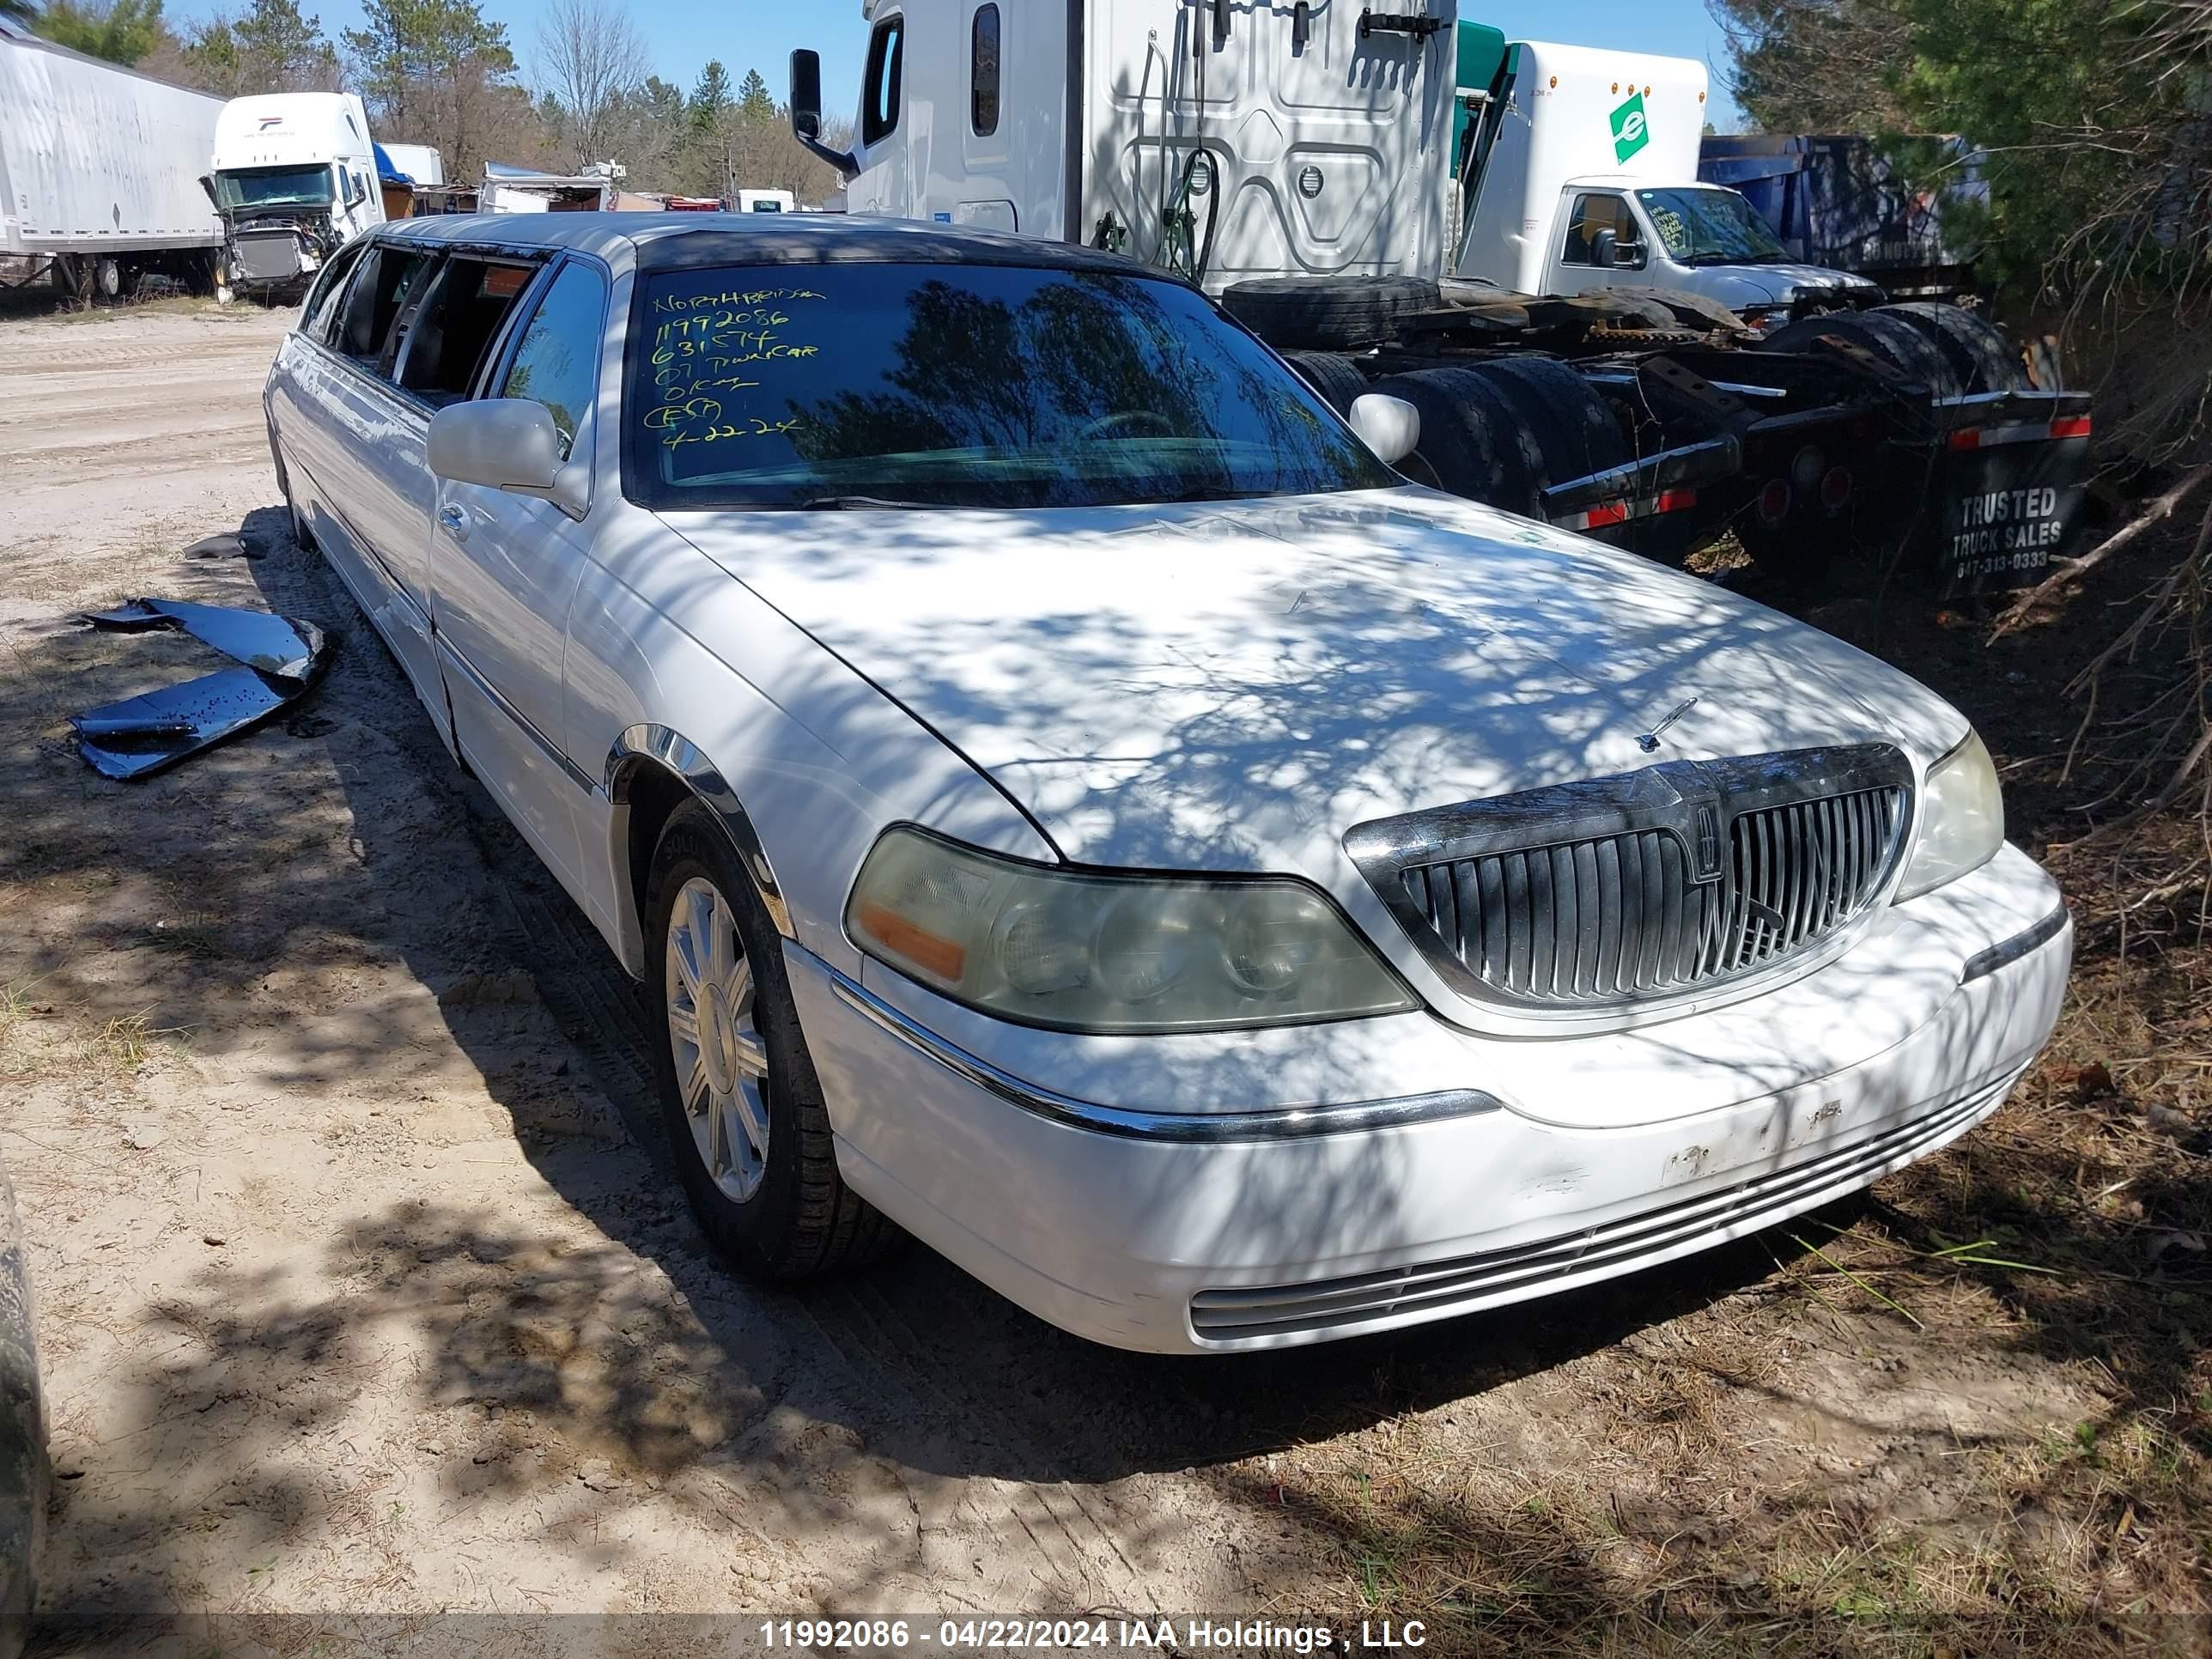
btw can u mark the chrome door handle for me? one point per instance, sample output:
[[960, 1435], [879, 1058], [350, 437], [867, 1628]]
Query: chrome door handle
[[456, 520]]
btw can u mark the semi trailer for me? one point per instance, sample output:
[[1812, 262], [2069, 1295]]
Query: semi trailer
[[1286, 158], [97, 171]]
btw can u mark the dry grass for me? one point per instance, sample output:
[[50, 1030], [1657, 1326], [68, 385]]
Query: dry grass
[[164, 305], [38, 1034]]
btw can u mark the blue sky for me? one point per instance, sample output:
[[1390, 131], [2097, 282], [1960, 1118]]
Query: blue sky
[[680, 35]]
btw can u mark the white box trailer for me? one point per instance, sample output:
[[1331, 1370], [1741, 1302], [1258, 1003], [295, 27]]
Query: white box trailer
[[422, 163], [100, 170]]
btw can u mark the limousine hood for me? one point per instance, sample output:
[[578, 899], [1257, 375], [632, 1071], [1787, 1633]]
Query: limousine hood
[[1234, 685]]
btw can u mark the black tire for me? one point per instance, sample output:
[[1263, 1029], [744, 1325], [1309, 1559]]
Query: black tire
[[1574, 428], [1332, 377], [1980, 356], [25, 1473], [1893, 339], [1327, 313], [1472, 444], [801, 1221]]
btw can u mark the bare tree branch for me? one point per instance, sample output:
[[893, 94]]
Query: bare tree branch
[[590, 62]]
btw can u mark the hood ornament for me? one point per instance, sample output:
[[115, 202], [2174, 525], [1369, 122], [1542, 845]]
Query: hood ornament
[[1648, 743]]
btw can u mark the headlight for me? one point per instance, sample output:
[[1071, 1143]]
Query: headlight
[[1108, 953], [1962, 819]]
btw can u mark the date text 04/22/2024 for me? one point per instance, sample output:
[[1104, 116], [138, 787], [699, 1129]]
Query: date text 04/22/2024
[[1103, 1636]]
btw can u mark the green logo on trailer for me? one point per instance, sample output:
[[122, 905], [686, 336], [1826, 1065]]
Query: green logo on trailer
[[1631, 131]]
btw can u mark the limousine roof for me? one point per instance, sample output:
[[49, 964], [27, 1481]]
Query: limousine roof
[[690, 242]]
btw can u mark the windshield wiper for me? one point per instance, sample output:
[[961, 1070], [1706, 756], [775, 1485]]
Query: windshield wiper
[[855, 504]]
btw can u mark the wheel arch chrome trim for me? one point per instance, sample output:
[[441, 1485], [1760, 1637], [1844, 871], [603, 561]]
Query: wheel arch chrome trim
[[647, 745], [1180, 1128]]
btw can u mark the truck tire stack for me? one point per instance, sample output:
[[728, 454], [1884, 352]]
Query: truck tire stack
[[1905, 343], [1327, 313], [1502, 432], [1981, 357], [1334, 377]]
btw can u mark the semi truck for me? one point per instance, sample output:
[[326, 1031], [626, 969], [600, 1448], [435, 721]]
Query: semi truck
[[97, 171], [1287, 158], [293, 175]]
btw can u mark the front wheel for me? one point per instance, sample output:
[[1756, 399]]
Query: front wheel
[[740, 1096]]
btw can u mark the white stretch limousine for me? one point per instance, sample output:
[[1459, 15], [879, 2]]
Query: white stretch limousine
[[1073, 799]]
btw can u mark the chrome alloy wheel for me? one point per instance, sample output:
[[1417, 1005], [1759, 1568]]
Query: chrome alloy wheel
[[714, 1032]]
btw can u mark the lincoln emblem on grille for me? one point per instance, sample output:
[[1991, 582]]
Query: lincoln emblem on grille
[[1709, 841]]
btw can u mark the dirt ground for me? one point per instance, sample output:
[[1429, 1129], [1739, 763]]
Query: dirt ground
[[364, 1286]]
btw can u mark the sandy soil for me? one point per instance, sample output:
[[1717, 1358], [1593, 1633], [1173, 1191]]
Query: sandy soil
[[363, 1283]]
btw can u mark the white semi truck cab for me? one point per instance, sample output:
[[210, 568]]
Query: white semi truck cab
[[295, 178], [1230, 141], [1578, 171]]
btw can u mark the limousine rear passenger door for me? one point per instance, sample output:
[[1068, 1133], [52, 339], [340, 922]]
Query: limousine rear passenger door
[[369, 455], [505, 570]]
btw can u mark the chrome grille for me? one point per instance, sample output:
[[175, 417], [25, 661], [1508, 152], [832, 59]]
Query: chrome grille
[[1643, 887], [1428, 1290]]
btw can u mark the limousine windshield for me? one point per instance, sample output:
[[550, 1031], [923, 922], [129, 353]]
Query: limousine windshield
[[973, 386]]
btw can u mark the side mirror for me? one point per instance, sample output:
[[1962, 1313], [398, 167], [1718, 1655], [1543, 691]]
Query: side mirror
[[806, 113], [1605, 250], [806, 93], [1629, 256], [207, 184], [502, 443], [1390, 427]]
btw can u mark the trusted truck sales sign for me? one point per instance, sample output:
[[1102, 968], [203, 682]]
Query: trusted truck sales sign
[[2014, 503]]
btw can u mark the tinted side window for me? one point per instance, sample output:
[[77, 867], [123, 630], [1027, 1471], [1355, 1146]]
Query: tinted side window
[[389, 277], [557, 364], [1593, 214], [323, 303], [460, 319], [983, 72], [880, 100]]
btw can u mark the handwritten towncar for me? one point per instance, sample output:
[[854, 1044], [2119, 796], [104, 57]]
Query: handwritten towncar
[[1072, 799]]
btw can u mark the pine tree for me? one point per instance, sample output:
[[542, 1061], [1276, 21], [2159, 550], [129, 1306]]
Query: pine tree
[[710, 96], [754, 102], [122, 33]]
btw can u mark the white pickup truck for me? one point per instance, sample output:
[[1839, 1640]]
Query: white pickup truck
[[1578, 172]]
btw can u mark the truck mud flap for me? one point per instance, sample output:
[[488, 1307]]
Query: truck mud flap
[[2009, 486]]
